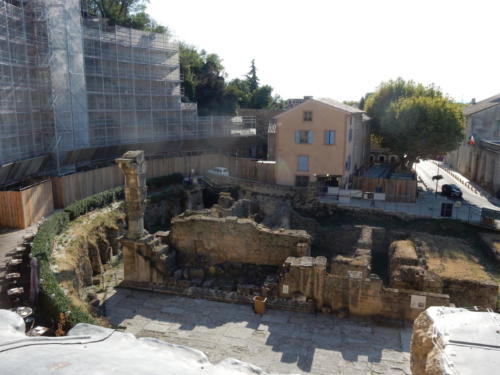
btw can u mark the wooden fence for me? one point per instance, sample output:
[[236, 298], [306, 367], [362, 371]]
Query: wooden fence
[[73, 187], [76, 186], [21, 208], [396, 190]]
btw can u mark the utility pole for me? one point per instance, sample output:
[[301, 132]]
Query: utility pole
[[437, 177], [437, 180]]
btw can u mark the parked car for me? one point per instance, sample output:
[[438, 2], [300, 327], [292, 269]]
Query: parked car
[[221, 171], [451, 191]]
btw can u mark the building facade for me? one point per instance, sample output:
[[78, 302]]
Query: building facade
[[478, 156], [319, 140], [69, 83]]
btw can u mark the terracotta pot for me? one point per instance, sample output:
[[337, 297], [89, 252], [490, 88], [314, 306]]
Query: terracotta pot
[[259, 304]]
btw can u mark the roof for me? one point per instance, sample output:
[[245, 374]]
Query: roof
[[330, 102], [482, 105], [339, 105]]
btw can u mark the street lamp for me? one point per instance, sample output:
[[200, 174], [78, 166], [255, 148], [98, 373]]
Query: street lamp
[[437, 178]]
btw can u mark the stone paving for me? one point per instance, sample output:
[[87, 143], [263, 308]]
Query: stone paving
[[278, 342]]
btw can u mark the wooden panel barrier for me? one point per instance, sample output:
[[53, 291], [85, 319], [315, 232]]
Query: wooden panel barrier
[[396, 190], [20, 209], [76, 186], [73, 187], [11, 209]]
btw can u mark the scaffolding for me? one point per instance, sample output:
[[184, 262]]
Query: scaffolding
[[70, 83], [26, 116]]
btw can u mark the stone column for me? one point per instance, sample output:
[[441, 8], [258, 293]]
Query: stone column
[[133, 166]]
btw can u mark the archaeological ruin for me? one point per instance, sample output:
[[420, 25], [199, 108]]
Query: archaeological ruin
[[261, 245]]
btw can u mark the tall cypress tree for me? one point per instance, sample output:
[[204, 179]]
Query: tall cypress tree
[[253, 81]]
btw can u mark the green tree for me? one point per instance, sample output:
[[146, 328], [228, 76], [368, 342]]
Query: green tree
[[377, 104], [240, 92], [361, 104], [127, 13], [422, 127], [262, 97], [252, 79], [191, 62]]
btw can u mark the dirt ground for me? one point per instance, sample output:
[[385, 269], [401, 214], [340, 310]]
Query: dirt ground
[[452, 257]]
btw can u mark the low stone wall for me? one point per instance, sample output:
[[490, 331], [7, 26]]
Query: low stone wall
[[398, 304], [185, 289], [215, 240], [351, 293], [469, 293]]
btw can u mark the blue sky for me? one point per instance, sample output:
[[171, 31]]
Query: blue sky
[[343, 49]]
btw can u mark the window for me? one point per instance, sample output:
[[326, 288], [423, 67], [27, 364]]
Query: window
[[446, 209], [303, 163], [329, 137], [308, 116], [304, 136], [301, 181], [350, 134]]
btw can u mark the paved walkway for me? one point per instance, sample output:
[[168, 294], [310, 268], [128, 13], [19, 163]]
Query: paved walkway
[[9, 239], [279, 341]]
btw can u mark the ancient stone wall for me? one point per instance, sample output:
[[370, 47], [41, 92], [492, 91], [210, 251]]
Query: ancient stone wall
[[469, 293], [163, 206], [213, 240], [351, 292], [85, 251], [303, 278]]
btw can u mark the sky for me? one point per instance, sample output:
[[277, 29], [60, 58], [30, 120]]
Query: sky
[[344, 49]]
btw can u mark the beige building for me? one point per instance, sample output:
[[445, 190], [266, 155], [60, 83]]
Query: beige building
[[478, 156], [319, 140]]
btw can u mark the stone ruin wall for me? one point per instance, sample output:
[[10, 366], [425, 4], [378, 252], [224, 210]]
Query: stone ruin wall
[[215, 240], [211, 238], [408, 270], [350, 287]]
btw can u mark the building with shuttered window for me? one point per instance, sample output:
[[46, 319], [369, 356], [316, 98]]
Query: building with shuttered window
[[319, 140]]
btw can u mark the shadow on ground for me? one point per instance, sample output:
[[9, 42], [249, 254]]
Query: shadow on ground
[[298, 337]]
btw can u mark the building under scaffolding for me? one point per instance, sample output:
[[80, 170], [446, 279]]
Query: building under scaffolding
[[71, 83]]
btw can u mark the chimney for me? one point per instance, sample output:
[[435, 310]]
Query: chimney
[[473, 101]]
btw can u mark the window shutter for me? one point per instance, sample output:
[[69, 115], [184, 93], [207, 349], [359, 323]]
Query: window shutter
[[309, 136], [297, 136]]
